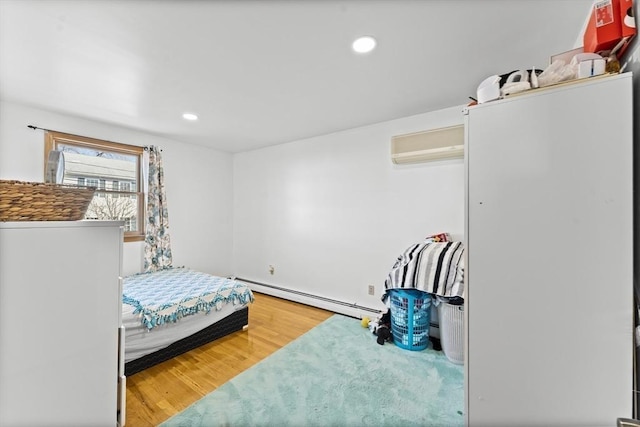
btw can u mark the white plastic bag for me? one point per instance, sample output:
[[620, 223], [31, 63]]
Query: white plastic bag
[[557, 72]]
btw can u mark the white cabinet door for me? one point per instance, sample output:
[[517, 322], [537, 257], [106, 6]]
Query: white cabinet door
[[59, 310], [549, 246]]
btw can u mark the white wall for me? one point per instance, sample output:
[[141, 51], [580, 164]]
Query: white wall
[[332, 213], [199, 183]]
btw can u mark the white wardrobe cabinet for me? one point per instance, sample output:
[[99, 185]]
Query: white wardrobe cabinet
[[60, 313], [549, 267]]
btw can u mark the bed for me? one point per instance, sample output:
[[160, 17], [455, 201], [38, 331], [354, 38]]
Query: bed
[[172, 311]]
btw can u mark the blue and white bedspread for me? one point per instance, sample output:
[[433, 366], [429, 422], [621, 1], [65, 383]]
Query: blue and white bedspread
[[170, 294], [433, 267]]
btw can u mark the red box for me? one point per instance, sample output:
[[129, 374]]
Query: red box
[[609, 25]]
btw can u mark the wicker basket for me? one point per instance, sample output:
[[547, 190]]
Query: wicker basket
[[35, 201]]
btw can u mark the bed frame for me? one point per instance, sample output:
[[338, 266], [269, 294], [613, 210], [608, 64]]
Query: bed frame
[[236, 321]]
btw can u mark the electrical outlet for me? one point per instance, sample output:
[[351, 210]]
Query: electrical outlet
[[372, 290], [272, 269]]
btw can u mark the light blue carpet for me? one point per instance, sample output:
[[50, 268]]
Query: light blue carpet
[[336, 375]]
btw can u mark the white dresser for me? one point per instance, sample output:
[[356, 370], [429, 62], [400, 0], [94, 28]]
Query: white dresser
[[60, 324]]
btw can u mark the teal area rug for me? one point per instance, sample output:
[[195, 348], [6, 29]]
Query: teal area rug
[[336, 375]]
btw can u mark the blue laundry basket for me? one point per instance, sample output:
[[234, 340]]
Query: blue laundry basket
[[410, 315]]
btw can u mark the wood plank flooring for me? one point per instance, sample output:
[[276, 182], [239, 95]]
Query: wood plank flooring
[[159, 392]]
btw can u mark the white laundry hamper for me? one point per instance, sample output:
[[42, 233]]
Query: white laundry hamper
[[451, 319]]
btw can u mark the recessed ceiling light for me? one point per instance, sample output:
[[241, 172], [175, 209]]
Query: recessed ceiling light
[[189, 116], [364, 44]]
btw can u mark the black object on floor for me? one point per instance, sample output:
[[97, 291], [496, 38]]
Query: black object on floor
[[435, 343]]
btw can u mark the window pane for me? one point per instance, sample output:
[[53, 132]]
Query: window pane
[[111, 167], [107, 206], [100, 165]]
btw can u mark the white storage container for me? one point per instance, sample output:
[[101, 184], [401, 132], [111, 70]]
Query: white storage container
[[451, 318]]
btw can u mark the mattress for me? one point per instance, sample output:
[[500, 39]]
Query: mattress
[[140, 341], [163, 307]]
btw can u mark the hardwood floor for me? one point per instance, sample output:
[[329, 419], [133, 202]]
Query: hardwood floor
[[161, 391]]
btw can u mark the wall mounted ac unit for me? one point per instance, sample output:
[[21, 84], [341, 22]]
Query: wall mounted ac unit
[[437, 144]]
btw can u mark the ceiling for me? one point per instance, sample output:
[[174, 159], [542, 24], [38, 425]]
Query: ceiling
[[259, 73]]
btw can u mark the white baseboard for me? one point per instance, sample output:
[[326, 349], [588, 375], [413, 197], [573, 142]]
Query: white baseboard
[[335, 306]]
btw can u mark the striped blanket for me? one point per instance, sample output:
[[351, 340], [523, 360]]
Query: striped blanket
[[433, 267]]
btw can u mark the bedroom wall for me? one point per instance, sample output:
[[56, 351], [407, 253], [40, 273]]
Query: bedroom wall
[[332, 213], [198, 179]]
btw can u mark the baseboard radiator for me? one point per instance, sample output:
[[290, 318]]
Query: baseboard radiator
[[337, 306]]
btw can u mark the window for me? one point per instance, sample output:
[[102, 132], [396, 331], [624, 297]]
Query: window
[[102, 186], [114, 169]]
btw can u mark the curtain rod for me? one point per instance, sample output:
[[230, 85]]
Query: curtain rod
[[146, 148]]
